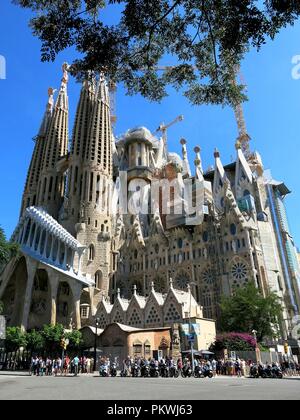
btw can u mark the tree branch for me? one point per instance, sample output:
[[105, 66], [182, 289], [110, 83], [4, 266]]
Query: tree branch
[[212, 38]]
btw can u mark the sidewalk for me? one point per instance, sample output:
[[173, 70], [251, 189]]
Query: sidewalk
[[13, 373]]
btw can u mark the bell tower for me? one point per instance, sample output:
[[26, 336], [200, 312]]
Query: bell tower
[[93, 182]]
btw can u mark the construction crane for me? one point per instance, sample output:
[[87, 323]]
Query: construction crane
[[112, 88], [243, 138], [164, 129]]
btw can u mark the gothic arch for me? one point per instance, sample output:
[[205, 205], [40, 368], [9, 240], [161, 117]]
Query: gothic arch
[[40, 308], [117, 313], [99, 280], [135, 317], [13, 296], [160, 284], [65, 313], [153, 313], [172, 309]]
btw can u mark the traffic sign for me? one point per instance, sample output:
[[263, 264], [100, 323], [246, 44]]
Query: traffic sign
[[191, 337]]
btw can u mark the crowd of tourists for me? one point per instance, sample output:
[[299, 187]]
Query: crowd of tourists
[[61, 367], [165, 367]]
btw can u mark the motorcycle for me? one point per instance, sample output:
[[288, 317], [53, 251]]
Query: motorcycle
[[204, 372], [254, 372], [173, 372], [154, 371], [198, 372], [207, 372], [113, 370], [145, 371], [103, 371], [164, 371], [277, 372], [266, 372], [124, 373], [135, 370], [186, 372]]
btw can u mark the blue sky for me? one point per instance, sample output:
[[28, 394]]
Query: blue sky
[[272, 113]]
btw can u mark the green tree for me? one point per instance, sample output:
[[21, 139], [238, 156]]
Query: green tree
[[35, 341], [75, 340], [205, 39], [52, 336], [249, 310], [7, 249], [15, 338]]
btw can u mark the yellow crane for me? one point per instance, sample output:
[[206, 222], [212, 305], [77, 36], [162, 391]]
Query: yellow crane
[[112, 88], [243, 138]]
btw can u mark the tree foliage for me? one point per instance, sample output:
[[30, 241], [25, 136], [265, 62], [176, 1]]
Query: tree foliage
[[204, 39], [7, 249], [35, 341], [234, 342], [15, 338], [75, 340], [52, 335], [46, 340], [248, 310]]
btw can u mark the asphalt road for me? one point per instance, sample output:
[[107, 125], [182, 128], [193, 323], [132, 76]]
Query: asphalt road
[[94, 388]]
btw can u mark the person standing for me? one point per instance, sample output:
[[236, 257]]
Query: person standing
[[66, 366], [214, 366], [76, 365], [88, 365]]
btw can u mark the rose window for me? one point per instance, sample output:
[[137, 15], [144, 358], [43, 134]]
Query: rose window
[[182, 281], [239, 271], [208, 276]]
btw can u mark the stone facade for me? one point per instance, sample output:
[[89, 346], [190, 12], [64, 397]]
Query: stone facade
[[116, 228]]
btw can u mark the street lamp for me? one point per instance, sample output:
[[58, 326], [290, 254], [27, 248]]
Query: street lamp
[[190, 325], [254, 332], [257, 351], [97, 323]]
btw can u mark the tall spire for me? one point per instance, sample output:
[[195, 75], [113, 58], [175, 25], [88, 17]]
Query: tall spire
[[83, 115], [91, 179], [75, 187], [34, 171], [185, 161], [99, 149], [51, 185], [198, 163]]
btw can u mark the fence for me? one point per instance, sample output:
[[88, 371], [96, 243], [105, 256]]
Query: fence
[[16, 360]]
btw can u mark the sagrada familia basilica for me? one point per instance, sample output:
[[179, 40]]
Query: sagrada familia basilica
[[127, 232]]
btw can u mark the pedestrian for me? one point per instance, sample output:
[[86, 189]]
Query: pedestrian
[[214, 366], [66, 365], [76, 365], [88, 365]]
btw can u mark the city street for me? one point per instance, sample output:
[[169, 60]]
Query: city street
[[96, 388]]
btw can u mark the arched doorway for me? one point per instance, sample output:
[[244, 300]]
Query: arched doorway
[[13, 297], [65, 311], [99, 280], [40, 308]]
